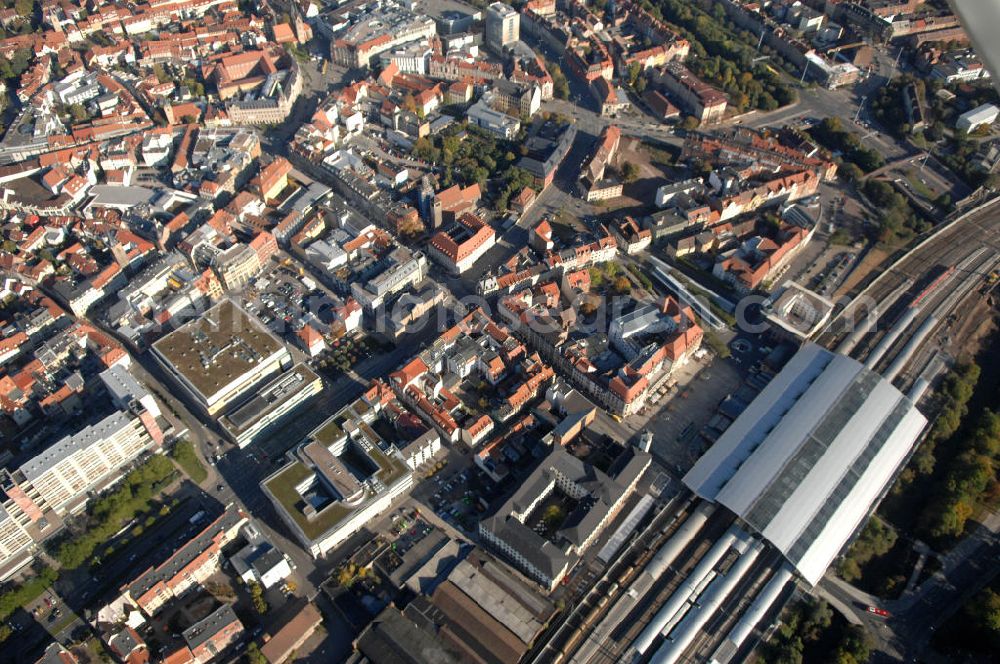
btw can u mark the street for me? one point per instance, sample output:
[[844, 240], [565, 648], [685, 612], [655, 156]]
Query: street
[[906, 634]]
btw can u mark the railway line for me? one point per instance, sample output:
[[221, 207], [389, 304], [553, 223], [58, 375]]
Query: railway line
[[873, 307]]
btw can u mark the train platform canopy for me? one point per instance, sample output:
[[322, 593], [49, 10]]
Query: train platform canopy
[[808, 459]]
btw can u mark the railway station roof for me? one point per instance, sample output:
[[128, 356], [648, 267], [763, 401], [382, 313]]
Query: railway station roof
[[806, 462]]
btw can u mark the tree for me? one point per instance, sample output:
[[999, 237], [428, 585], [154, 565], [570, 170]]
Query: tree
[[560, 85], [985, 609], [634, 72], [690, 123], [257, 596], [877, 539], [553, 516], [77, 112], [25, 8], [622, 285], [410, 227], [161, 74], [855, 646], [254, 655], [851, 172], [630, 172]]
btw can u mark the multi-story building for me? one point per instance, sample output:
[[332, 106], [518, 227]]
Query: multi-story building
[[698, 98], [411, 58], [272, 179], [272, 108], [459, 245], [16, 542], [503, 26], [60, 477], [487, 118], [340, 479], [212, 635], [449, 204], [597, 498], [977, 117], [456, 69], [401, 268], [516, 99], [960, 68], [546, 146], [758, 259], [219, 357], [183, 568], [377, 31], [246, 422], [733, 198]]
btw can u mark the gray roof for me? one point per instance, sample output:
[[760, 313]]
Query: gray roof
[[54, 654], [182, 556], [209, 626], [602, 494], [122, 385], [805, 463], [70, 445], [115, 196], [268, 560], [505, 607], [124, 641], [392, 638], [269, 398]]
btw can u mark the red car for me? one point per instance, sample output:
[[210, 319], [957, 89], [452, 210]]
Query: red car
[[879, 612]]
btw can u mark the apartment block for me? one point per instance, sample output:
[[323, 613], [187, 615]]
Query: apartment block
[[186, 566]]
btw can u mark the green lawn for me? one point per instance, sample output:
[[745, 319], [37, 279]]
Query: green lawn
[[185, 457], [914, 180]]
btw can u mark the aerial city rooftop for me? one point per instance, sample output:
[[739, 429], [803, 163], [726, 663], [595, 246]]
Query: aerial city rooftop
[[446, 331]]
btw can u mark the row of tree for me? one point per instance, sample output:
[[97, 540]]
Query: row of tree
[[724, 54], [973, 634], [968, 479], [831, 134], [108, 514], [105, 517], [877, 539]]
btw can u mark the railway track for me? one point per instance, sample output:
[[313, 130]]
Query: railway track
[[977, 231]]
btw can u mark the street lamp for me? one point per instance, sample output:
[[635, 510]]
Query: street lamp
[[860, 106]]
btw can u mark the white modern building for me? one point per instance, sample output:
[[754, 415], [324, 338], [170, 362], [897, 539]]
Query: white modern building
[[503, 26], [270, 405], [340, 479], [808, 460], [124, 389], [977, 117]]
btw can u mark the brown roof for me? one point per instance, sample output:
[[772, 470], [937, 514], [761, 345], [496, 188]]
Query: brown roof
[[292, 634], [474, 629]]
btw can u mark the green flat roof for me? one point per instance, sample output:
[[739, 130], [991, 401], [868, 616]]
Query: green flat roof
[[327, 433], [390, 469], [282, 487]]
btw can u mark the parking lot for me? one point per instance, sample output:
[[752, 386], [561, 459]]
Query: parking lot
[[284, 299], [458, 497], [676, 426]]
